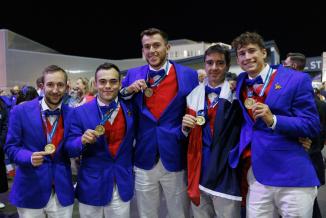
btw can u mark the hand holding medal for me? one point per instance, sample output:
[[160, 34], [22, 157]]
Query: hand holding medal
[[261, 110], [89, 137]]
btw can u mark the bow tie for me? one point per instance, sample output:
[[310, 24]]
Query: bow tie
[[257, 80], [209, 90], [153, 73], [51, 113], [109, 107]]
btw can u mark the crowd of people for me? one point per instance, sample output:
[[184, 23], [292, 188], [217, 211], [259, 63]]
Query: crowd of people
[[213, 143]]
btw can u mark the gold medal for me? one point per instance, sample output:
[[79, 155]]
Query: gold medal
[[249, 103], [100, 130], [200, 120], [49, 148], [148, 92]]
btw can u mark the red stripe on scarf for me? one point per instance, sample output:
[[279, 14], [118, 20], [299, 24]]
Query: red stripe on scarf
[[194, 158]]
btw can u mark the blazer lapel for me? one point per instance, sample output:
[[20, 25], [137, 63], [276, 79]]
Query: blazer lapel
[[95, 119], [179, 74], [33, 112], [128, 118], [278, 86], [240, 83]]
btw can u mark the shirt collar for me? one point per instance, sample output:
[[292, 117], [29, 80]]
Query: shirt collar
[[163, 67], [46, 107], [263, 73], [100, 103], [220, 85]]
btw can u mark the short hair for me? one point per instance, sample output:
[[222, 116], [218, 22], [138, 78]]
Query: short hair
[[52, 69], [27, 93], [299, 59], [39, 81], [107, 66], [221, 50], [248, 38], [153, 31]]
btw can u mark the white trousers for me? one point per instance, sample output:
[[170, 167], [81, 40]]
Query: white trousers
[[268, 201], [148, 190], [211, 206], [115, 209], [53, 209]]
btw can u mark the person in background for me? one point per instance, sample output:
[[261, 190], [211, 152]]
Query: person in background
[[92, 87], [82, 89], [102, 132], [14, 93], [278, 108], [39, 86], [35, 143], [158, 91], [3, 134], [297, 61], [323, 89], [201, 75], [208, 169], [232, 79], [27, 93]]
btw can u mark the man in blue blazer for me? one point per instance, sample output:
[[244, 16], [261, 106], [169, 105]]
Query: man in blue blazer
[[102, 133], [159, 92], [36, 137], [278, 107]]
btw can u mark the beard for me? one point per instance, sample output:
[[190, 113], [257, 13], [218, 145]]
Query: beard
[[48, 100]]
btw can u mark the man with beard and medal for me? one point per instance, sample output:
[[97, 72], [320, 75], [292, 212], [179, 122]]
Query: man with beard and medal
[[102, 132], [282, 180], [35, 143], [159, 149], [212, 124]]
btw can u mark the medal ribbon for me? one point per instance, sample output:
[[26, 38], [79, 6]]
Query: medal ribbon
[[159, 80], [250, 93], [108, 114], [50, 135]]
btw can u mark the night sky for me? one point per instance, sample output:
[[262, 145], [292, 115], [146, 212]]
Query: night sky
[[112, 31]]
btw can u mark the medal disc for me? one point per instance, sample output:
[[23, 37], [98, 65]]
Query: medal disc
[[200, 120], [148, 92], [249, 102], [49, 148], [100, 130]]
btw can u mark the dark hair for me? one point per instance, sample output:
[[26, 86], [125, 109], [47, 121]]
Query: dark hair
[[52, 69], [231, 76], [27, 93], [299, 59], [248, 38], [107, 66], [153, 31], [221, 50], [39, 82]]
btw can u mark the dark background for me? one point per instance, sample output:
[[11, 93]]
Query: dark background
[[111, 29]]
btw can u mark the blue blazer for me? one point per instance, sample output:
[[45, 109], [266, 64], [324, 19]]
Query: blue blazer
[[162, 137], [278, 159], [99, 170], [32, 185]]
